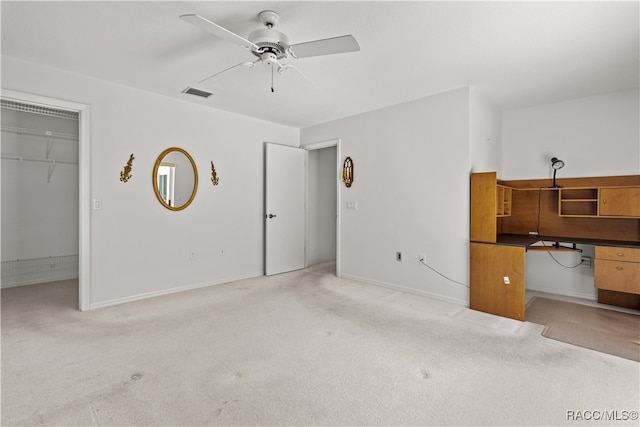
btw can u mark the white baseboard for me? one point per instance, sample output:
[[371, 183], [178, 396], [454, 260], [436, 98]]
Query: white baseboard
[[169, 291], [38, 281], [405, 289]]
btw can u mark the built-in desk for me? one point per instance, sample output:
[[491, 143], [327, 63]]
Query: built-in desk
[[509, 218], [530, 240]]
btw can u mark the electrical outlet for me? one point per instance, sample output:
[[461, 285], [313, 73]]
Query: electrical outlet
[[399, 256], [506, 279], [422, 258], [585, 262], [192, 256]]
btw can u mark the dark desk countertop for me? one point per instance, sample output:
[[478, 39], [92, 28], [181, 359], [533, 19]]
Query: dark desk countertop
[[527, 240]]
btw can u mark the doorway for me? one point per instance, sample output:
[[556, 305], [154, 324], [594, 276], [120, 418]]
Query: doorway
[[45, 151], [323, 182]]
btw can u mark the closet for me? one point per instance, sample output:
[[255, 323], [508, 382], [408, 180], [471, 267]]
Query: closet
[[40, 195]]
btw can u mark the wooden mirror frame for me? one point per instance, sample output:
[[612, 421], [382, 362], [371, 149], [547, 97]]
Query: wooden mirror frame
[[154, 178]]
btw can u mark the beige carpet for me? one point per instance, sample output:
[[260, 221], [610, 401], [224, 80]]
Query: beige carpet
[[599, 329], [296, 349]]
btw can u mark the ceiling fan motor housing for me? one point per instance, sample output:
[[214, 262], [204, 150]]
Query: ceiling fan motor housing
[[270, 40]]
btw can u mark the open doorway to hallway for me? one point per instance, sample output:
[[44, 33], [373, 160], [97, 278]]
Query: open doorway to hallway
[[322, 205]]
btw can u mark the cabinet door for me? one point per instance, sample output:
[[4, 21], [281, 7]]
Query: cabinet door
[[617, 276], [483, 207], [620, 201], [492, 266]]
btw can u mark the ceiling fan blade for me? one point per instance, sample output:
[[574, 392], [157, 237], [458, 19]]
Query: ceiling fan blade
[[283, 68], [249, 64], [329, 46], [217, 30]]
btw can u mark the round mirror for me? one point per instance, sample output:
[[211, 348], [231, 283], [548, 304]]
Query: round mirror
[[175, 179]]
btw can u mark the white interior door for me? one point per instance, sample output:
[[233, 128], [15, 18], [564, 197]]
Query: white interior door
[[285, 176]]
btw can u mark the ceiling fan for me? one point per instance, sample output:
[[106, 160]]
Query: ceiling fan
[[271, 46]]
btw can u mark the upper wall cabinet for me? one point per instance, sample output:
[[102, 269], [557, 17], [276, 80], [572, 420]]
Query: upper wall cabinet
[[620, 202], [489, 200]]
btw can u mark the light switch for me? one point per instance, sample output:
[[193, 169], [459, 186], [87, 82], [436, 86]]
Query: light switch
[[97, 204], [352, 205]]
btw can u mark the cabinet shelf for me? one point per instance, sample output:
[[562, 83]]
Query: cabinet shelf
[[578, 202], [503, 201]]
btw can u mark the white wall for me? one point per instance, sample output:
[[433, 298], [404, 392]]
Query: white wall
[[321, 196], [138, 247], [485, 134], [595, 136], [411, 185]]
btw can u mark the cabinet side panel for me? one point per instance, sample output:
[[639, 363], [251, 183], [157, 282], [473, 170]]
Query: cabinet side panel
[[483, 225], [490, 264]]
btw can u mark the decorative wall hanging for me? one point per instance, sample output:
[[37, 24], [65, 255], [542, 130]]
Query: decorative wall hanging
[[214, 175], [347, 172], [125, 175]]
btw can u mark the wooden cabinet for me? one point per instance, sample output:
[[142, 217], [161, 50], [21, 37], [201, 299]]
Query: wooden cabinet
[[617, 269], [620, 201], [597, 202], [497, 278], [507, 217], [490, 200]]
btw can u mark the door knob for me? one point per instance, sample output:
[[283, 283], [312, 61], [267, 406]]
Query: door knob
[[272, 216]]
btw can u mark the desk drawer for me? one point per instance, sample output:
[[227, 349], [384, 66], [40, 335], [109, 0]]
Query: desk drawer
[[618, 254], [617, 276]]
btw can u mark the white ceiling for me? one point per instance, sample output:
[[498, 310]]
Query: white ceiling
[[516, 53]]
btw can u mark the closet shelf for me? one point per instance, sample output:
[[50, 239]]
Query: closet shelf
[[31, 159], [38, 132], [51, 163]]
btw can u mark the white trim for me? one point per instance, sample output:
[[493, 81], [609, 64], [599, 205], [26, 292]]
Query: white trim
[[178, 289], [322, 144], [84, 184], [407, 290]]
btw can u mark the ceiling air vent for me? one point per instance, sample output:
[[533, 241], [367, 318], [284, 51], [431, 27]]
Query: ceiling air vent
[[197, 92]]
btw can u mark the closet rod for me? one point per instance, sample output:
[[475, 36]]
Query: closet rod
[[37, 132], [29, 159]]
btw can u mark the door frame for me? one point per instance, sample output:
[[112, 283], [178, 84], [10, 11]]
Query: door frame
[[317, 146], [84, 176]]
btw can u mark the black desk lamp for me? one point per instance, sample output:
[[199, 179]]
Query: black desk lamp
[[556, 164]]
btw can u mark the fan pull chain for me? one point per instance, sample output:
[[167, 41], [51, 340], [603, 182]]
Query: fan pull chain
[[272, 79]]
